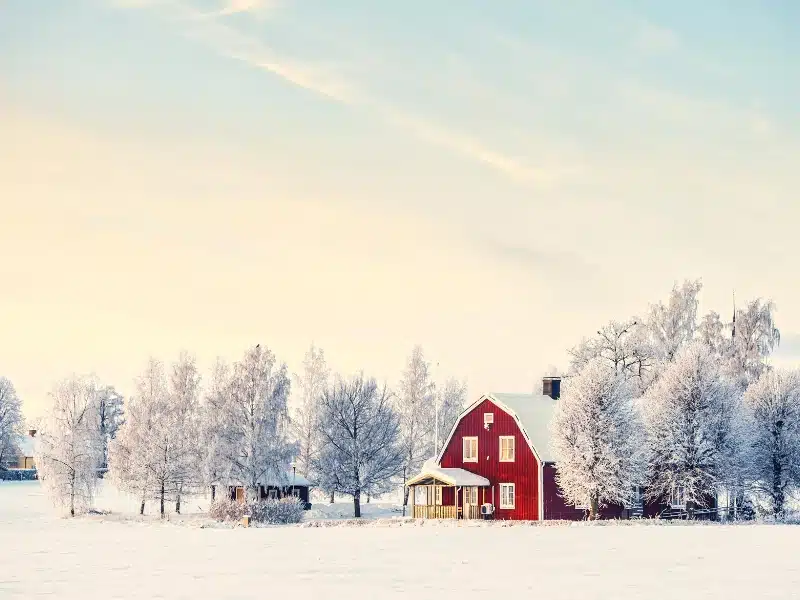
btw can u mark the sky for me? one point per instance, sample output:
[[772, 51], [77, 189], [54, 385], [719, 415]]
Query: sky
[[493, 180]]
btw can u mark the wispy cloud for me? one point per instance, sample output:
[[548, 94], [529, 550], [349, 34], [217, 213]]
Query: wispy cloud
[[328, 82], [258, 8], [656, 39]]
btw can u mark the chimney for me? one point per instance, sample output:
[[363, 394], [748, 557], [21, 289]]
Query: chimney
[[551, 386]]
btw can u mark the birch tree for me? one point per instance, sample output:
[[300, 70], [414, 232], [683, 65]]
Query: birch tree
[[452, 398], [754, 337], [256, 423], [415, 407], [595, 437], [69, 449], [128, 464], [773, 408], [673, 324], [184, 410], [215, 466], [690, 419], [359, 432], [10, 423], [311, 383]]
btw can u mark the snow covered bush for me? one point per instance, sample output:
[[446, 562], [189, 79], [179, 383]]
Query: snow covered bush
[[273, 512], [10, 423], [18, 475], [595, 438]]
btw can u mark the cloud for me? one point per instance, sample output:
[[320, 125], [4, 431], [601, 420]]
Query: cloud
[[655, 39], [233, 7], [327, 81], [535, 258]]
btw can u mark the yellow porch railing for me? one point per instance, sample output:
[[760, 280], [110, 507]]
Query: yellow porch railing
[[422, 511]]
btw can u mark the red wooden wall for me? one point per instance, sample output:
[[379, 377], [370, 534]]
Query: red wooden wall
[[556, 508], [523, 472]]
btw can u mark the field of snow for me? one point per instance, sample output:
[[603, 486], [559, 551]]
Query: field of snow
[[44, 556]]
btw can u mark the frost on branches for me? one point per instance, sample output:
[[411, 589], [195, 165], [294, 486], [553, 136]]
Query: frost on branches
[[214, 465], [691, 416], [358, 431], [10, 423], [416, 409], [452, 398], [595, 438], [255, 424], [672, 325], [773, 409], [69, 450], [311, 383], [109, 417]]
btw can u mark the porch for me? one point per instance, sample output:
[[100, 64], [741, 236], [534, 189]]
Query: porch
[[440, 493]]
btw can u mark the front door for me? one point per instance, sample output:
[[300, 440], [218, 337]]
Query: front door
[[240, 494], [470, 502]]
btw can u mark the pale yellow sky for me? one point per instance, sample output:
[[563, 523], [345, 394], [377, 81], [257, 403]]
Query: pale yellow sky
[[169, 183]]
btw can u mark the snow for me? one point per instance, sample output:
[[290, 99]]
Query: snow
[[534, 412], [450, 476], [94, 558]]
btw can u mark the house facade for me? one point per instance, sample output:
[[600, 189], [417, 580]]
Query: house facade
[[497, 463]]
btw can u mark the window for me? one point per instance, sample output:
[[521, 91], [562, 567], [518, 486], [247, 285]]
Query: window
[[677, 497], [438, 495], [507, 495], [273, 493], [295, 492], [488, 418], [471, 449], [506, 448]]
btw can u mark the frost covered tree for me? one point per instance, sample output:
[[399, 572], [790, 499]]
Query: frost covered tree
[[256, 425], [214, 464], [359, 434], [623, 344], [416, 410], [595, 437], [691, 415], [128, 466], [10, 423], [673, 324], [452, 398], [312, 382], [753, 338], [69, 450], [773, 409], [109, 417], [184, 410]]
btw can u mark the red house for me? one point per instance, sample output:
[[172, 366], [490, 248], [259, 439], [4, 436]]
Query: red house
[[497, 461]]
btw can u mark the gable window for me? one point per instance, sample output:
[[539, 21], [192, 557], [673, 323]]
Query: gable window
[[507, 495], [507, 448], [470, 449], [677, 497]]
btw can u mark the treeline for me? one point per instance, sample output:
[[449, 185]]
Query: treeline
[[681, 408], [181, 435]]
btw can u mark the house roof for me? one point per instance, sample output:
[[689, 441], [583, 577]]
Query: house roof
[[457, 477], [271, 480], [532, 412]]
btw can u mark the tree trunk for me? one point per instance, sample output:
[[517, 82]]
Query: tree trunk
[[178, 504], [357, 505], [141, 508], [690, 510], [367, 498], [331, 497], [405, 495], [777, 489], [594, 512], [213, 492], [72, 496], [163, 494]]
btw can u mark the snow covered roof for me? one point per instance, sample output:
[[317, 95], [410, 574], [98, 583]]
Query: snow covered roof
[[533, 413], [272, 480], [457, 477]]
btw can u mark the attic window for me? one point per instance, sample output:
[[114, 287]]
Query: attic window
[[488, 418]]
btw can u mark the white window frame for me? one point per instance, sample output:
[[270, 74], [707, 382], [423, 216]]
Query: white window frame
[[513, 448], [470, 495], [437, 495], [488, 418], [678, 492], [506, 505], [464, 441]]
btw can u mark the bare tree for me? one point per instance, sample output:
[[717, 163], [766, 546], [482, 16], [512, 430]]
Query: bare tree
[[110, 417], [69, 450], [416, 408], [359, 433], [185, 420], [10, 423], [673, 324], [452, 398], [215, 466], [754, 337]]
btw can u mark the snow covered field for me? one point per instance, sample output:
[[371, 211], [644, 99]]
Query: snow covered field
[[79, 559]]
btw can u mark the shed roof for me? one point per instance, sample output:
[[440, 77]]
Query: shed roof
[[275, 481], [450, 476]]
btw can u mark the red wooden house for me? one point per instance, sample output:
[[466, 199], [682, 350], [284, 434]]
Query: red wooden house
[[497, 461]]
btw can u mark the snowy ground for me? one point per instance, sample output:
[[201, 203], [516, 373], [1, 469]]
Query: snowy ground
[[70, 559]]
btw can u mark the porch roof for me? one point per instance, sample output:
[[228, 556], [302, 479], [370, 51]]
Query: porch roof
[[451, 477]]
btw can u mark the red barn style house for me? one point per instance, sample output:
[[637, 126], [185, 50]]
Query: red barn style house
[[497, 461]]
